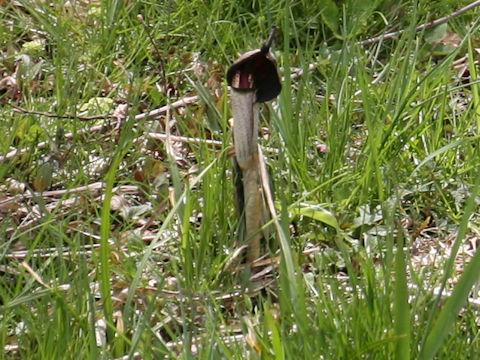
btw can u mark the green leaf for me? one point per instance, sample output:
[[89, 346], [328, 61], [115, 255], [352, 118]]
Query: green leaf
[[98, 105], [43, 178], [316, 212], [436, 34], [34, 46], [330, 15]]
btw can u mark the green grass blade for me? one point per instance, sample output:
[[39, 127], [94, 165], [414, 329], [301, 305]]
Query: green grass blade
[[401, 306], [473, 78]]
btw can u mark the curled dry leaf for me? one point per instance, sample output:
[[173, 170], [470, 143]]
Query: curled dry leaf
[[9, 86], [451, 38], [117, 203], [16, 187], [120, 112]]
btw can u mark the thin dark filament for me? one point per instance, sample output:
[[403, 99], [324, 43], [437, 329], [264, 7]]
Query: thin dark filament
[[266, 47]]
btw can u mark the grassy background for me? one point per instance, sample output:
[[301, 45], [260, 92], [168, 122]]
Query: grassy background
[[369, 227]]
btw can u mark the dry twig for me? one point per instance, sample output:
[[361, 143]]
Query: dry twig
[[422, 27], [150, 115]]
